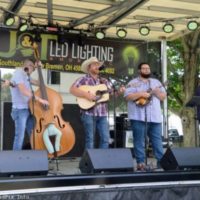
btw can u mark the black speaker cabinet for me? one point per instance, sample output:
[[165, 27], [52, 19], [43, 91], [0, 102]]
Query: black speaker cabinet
[[23, 162], [106, 160], [181, 158]]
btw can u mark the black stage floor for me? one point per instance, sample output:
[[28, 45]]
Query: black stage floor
[[65, 181], [104, 186]]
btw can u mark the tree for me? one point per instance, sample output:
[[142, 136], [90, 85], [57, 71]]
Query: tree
[[5, 92], [183, 73]]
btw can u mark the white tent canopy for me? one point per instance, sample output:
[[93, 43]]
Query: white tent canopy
[[89, 15]]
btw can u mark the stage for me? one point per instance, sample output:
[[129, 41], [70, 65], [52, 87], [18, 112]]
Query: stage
[[65, 181]]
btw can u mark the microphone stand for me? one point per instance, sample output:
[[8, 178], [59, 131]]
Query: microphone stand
[[145, 134], [114, 108], [1, 137], [114, 112], [32, 99]]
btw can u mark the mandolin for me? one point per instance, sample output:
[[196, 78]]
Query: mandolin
[[142, 101]]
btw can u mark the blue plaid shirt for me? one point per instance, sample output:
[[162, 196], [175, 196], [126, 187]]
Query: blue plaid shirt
[[153, 108], [100, 109]]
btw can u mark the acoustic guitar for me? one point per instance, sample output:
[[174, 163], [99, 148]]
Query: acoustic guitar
[[102, 95], [142, 101]]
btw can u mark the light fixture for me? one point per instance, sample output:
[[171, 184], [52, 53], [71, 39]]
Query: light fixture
[[121, 33], [192, 25], [99, 34], [9, 20], [168, 28], [23, 26], [144, 30]]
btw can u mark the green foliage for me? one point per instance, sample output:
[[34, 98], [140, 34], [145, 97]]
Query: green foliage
[[5, 91], [175, 75]]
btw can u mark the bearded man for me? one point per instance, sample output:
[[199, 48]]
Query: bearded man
[[144, 95]]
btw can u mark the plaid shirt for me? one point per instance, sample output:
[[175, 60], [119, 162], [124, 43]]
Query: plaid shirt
[[100, 109], [153, 108]]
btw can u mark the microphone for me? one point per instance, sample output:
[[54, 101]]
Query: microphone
[[26, 69], [102, 67]]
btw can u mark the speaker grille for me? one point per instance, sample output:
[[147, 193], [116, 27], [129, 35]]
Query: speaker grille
[[106, 160], [24, 162], [181, 158]]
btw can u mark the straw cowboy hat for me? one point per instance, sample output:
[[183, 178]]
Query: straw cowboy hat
[[86, 63]]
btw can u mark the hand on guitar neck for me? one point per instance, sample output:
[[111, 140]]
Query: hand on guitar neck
[[7, 83], [121, 90]]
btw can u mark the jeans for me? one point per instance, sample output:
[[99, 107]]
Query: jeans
[[23, 121], [154, 131], [51, 130], [91, 123]]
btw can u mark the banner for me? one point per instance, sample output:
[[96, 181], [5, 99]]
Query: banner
[[120, 57]]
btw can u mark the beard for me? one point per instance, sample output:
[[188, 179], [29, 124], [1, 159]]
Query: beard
[[145, 75]]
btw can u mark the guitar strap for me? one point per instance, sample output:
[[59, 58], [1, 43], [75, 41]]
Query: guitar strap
[[150, 89]]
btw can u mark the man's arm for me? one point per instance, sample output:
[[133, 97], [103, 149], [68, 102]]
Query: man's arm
[[159, 94], [136, 95], [28, 93], [35, 82]]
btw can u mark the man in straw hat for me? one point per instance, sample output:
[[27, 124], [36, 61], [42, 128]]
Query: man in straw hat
[[95, 118]]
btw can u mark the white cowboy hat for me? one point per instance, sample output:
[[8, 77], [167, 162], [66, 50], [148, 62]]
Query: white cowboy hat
[[86, 63]]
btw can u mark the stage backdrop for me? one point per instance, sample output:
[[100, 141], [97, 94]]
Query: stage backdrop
[[120, 57]]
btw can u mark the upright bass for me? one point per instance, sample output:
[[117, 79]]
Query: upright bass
[[49, 115]]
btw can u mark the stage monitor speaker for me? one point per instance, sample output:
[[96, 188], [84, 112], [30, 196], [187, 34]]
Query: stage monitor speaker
[[106, 160], [186, 158], [23, 163]]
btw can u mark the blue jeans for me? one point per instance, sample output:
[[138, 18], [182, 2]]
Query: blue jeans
[[23, 121], [154, 131], [91, 124]]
